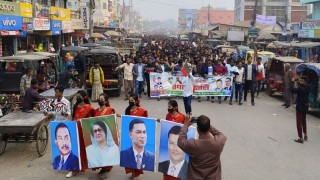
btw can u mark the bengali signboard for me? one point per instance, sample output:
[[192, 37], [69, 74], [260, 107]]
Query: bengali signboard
[[26, 10], [41, 24], [303, 33], [166, 84], [85, 16], [60, 13], [77, 24], [9, 8], [310, 25], [266, 20], [27, 24], [67, 27]]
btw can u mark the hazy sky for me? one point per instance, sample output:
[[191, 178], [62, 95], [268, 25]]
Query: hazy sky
[[169, 9]]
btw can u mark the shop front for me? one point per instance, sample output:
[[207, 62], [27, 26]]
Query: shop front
[[10, 27], [67, 31], [62, 18]]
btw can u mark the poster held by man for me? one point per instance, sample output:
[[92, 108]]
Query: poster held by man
[[172, 160]]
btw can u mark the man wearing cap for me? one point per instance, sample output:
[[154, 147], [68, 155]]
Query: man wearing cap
[[31, 97]]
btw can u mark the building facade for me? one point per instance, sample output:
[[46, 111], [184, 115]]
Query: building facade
[[208, 15], [290, 11], [311, 29]]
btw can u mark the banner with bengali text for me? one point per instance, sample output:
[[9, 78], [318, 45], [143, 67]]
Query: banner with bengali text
[[166, 84]]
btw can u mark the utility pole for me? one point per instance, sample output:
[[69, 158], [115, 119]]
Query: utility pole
[[91, 25], [208, 15]]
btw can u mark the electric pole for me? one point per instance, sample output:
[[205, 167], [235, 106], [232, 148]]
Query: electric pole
[[208, 15], [91, 25]]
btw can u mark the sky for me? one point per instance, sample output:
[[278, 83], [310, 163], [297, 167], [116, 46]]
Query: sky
[[169, 9]]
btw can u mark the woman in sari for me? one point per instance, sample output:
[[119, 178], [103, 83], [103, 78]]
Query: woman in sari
[[175, 116], [82, 109], [104, 110], [134, 109]]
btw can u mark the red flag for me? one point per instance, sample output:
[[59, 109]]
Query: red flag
[[185, 69]]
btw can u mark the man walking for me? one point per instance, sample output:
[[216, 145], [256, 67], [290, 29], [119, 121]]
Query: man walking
[[79, 63], [260, 76], [239, 79], [250, 73], [128, 77], [302, 107], [288, 85], [138, 72], [188, 83], [25, 81], [204, 153]]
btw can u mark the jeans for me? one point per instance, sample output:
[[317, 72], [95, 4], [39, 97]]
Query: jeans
[[232, 91], [187, 104], [139, 87], [238, 91], [148, 84], [249, 85], [258, 89]]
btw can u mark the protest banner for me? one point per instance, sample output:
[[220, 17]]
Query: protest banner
[[65, 145], [100, 136], [138, 134], [165, 84], [169, 152]]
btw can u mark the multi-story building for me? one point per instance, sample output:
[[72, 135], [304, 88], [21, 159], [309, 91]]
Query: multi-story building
[[188, 19], [290, 11], [208, 15], [311, 28]]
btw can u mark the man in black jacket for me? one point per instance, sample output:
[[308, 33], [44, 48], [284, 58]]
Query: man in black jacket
[[79, 63], [302, 107]]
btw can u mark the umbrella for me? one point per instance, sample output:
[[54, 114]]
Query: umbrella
[[74, 48], [112, 33], [98, 35]]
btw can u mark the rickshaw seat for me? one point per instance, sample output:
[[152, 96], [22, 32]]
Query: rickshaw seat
[[10, 81]]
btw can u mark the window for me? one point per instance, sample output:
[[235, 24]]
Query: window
[[104, 5], [279, 11], [69, 4]]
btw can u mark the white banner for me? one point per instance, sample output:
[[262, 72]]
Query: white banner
[[267, 20], [85, 16]]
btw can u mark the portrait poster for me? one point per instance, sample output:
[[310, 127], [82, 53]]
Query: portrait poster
[[166, 84], [101, 141], [170, 153], [65, 145], [138, 143]]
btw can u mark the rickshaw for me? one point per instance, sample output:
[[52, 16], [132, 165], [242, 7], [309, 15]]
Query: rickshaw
[[312, 72], [225, 49], [17, 126], [275, 73], [109, 59]]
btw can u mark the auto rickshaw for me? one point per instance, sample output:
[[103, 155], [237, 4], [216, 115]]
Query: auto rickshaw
[[12, 68], [312, 72], [265, 55], [275, 73], [109, 60]]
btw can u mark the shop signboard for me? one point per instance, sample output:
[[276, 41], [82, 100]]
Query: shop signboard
[[308, 1], [27, 24], [317, 34], [56, 27], [41, 11], [26, 10], [10, 33], [113, 25], [311, 33], [67, 27], [310, 25], [77, 24], [41, 24], [60, 13], [85, 16], [303, 33], [12, 23], [9, 8]]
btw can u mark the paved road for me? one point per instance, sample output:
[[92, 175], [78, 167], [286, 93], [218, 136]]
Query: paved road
[[259, 146]]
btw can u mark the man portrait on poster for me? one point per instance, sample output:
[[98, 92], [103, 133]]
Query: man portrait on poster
[[66, 160], [227, 89], [137, 156], [176, 166]]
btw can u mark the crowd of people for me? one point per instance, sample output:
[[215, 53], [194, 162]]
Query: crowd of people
[[169, 55]]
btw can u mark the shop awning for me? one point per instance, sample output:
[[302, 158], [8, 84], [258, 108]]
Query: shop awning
[[78, 34]]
